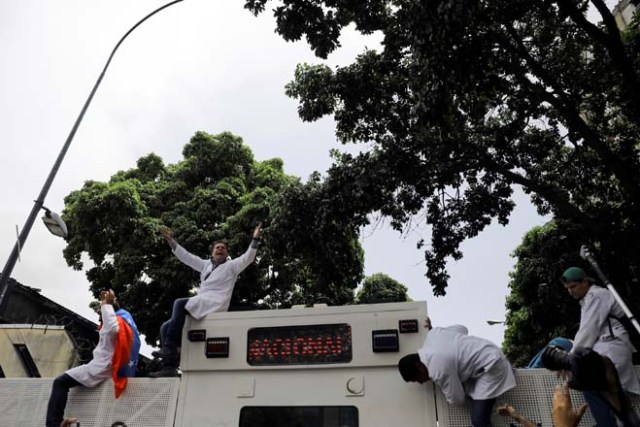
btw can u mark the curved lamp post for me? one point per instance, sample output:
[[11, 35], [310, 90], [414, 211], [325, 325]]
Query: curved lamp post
[[39, 202]]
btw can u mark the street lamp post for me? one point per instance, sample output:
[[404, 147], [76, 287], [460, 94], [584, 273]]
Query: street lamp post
[[39, 202]]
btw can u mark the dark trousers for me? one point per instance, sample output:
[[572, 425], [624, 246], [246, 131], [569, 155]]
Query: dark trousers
[[171, 330], [58, 399], [481, 411], [600, 409]]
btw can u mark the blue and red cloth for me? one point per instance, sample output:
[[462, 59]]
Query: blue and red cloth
[[127, 348]]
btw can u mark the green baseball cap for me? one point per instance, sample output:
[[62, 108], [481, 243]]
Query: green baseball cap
[[574, 274]]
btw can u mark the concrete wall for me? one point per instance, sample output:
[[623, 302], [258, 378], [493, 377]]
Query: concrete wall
[[50, 347], [623, 13]]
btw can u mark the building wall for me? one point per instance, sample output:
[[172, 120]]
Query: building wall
[[623, 13], [25, 306], [51, 349]]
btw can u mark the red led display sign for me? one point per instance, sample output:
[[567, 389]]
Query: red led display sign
[[299, 345]]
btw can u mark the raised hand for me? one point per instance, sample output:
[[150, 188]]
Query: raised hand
[[563, 413], [107, 297], [167, 233], [257, 231]]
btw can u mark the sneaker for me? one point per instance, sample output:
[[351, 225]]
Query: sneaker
[[165, 373]]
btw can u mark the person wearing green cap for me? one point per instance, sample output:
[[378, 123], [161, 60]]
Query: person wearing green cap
[[601, 331]]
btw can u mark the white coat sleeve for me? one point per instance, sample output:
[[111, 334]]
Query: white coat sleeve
[[452, 388], [197, 263], [109, 320], [593, 315], [443, 372], [244, 260]]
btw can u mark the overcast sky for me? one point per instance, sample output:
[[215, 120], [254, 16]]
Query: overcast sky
[[198, 65]]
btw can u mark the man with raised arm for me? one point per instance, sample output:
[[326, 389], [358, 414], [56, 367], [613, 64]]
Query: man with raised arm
[[115, 356], [218, 276]]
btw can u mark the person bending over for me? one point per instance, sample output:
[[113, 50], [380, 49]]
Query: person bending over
[[461, 365]]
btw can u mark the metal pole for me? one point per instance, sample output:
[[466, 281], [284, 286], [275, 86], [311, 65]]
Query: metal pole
[[11, 262], [586, 254]]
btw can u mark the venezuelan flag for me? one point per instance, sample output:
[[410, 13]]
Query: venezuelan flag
[[125, 356]]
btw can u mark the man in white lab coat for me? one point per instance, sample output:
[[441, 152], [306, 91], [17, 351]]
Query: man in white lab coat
[[600, 331], [218, 276], [461, 365], [115, 356]]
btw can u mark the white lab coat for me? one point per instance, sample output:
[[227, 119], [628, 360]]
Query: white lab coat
[[215, 291], [596, 307], [462, 364], [99, 369]]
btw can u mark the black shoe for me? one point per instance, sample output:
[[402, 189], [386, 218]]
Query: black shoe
[[166, 354], [165, 373], [159, 354]]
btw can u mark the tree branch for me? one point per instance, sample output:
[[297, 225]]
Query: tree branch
[[561, 204], [578, 17], [569, 113], [612, 42]]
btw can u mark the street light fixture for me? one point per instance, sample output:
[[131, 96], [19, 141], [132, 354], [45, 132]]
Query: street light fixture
[[50, 221], [54, 223], [494, 322]]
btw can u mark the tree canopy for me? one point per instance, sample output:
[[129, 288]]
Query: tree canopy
[[463, 101], [381, 288], [218, 191]]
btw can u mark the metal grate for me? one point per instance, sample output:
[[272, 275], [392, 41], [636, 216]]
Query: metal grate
[[532, 398], [152, 402], [145, 403]]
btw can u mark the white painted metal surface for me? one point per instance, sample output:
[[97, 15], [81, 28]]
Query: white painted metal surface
[[215, 392], [222, 391], [145, 403]]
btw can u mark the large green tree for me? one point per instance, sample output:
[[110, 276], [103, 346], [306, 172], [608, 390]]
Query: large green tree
[[467, 99], [218, 191], [380, 288]]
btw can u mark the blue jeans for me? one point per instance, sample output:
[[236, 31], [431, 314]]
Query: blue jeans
[[171, 330], [481, 411], [58, 399], [599, 409]]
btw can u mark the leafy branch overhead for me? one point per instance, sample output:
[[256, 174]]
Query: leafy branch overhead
[[464, 101], [218, 191]]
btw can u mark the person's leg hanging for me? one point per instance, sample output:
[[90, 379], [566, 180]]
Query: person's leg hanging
[[600, 409], [173, 331], [481, 411], [58, 399], [171, 336]]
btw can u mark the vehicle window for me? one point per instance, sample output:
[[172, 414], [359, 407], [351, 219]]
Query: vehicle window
[[299, 416]]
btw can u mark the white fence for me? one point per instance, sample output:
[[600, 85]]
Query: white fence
[[152, 403]]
